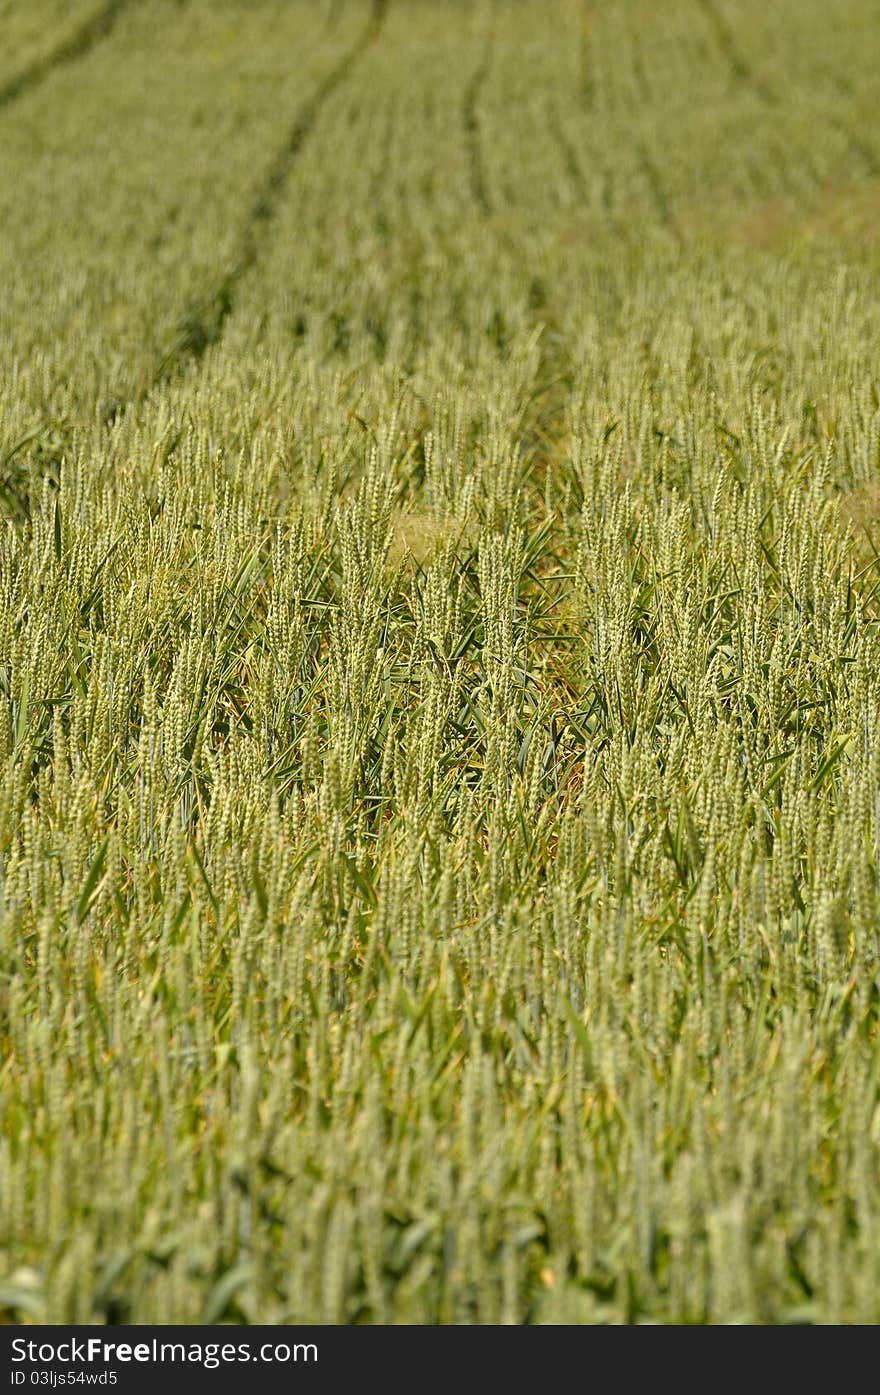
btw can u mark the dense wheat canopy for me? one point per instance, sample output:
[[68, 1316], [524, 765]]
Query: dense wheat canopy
[[439, 661]]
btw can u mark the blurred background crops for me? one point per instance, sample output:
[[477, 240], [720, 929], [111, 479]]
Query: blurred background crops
[[439, 653]]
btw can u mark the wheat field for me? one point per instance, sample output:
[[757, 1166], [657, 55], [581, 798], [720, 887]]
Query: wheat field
[[439, 661]]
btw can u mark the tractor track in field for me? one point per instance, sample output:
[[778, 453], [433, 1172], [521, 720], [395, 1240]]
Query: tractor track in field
[[568, 153], [334, 14], [648, 166], [743, 73], [77, 45], [739, 66], [204, 322], [574, 170], [858, 145], [586, 80], [657, 189], [470, 116], [589, 99]]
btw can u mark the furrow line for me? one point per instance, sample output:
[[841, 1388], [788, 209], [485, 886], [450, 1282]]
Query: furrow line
[[658, 192], [473, 133], [205, 321], [858, 145], [587, 81], [740, 68], [77, 46], [569, 155]]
